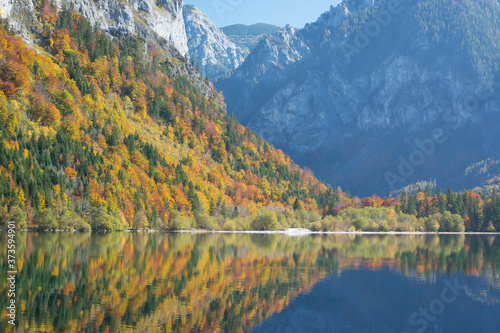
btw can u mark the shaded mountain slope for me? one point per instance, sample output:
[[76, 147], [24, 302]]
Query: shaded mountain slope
[[354, 93]]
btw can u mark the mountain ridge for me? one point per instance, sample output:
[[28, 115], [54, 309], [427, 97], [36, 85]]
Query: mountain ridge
[[213, 51], [346, 95], [117, 132], [252, 29], [160, 20]]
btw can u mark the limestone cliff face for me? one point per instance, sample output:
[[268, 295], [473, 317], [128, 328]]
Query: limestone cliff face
[[209, 46], [348, 107], [159, 20]]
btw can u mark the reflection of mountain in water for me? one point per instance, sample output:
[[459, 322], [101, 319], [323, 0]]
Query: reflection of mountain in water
[[185, 283], [383, 301]]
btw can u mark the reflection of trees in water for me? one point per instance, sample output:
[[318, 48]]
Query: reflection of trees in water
[[181, 282]]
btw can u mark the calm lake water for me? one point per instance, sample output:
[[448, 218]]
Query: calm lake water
[[121, 282]]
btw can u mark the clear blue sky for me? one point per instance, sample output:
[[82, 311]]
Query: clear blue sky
[[279, 12]]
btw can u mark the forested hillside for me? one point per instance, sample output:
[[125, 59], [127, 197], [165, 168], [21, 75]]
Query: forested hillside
[[484, 176], [113, 133]]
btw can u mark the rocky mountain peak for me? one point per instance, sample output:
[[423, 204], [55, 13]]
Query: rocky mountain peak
[[160, 20], [349, 118], [173, 6], [333, 18], [208, 45]]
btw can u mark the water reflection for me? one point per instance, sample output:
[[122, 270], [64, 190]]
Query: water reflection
[[121, 282]]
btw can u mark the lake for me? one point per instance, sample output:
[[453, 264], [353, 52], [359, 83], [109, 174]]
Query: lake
[[142, 282]]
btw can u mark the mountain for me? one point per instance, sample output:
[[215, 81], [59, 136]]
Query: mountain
[[374, 96], [257, 29], [248, 36], [108, 130], [350, 301], [115, 132], [218, 52], [160, 20], [484, 175], [209, 46]]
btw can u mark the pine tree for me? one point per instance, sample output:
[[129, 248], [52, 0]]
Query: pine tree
[[412, 205], [427, 207], [451, 202], [461, 208], [223, 210], [212, 208], [491, 211], [441, 203], [402, 205], [495, 204], [428, 191], [296, 205]]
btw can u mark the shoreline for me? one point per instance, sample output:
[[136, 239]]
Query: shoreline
[[289, 232], [310, 232]]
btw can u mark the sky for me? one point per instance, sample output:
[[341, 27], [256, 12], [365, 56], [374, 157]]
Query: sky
[[278, 12]]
